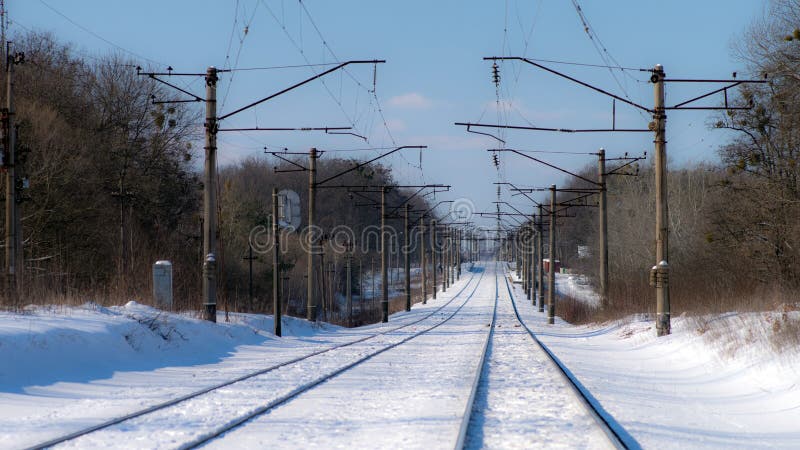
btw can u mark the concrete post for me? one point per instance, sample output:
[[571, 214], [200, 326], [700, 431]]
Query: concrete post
[[162, 284], [539, 258], [210, 286], [532, 261], [406, 259], [662, 211], [348, 259], [311, 300], [551, 282], [276, 266], [601, 166], [423, 261], [210, 199], [458, 254], [384, 260], [11, 187], [433, 254]]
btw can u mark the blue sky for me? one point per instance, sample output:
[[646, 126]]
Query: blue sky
[[434, 75]]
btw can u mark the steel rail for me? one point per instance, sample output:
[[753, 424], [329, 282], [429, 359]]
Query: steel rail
[[183, 398], [476, 378], [235, 423], [616, 434]]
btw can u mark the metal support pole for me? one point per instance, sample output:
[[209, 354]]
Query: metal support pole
[[311, 300], [539, 259], [446, 261], [551, 282], [250, 259], [532, 261], [406, 258], [276, 266], [662, 211], [11, 186], [423, 261], [210, 199], [433, 253], [348, 259], [458, 254], [516, 253], [360, 285], [323, 282], [523, 250], [452, 255], [384, 261], [601, 165]]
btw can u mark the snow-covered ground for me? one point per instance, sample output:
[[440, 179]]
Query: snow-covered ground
[[684, 390], [521, 400], [573, 285], [413, 396], [716, 382], [577, 287]]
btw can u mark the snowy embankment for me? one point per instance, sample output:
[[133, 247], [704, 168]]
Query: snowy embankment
[[68, 367], [715, 382]]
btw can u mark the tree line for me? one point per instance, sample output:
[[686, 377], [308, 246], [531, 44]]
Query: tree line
[[115, 185], [734, 224]]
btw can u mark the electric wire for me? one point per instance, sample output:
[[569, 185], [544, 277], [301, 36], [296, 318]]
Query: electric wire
[[233, 32], [118, 47], [299, 48], [556, 152], [359, 84], [602, 51], [373, 91], [289, 66], [238, 52]]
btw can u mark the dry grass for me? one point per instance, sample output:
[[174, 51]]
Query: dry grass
[[575, 311]]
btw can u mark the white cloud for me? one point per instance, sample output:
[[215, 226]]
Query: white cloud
[[412, 100]]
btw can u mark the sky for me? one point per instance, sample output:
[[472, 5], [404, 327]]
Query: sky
[[434, 75]]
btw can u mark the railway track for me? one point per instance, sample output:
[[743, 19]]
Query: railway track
[[611, 429], [359, 350]]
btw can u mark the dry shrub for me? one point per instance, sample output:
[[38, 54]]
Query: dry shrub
[[575, 311]]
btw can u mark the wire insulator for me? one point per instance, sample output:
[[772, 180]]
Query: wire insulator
[[496, 74]]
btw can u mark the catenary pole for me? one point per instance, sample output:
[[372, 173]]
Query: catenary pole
[[601, 166], [532, 260], [349, 263], [433, 255], [446, 260], [210, 199], [662, 213], [11, 186], [539, 259], [423, 261], [551, 281], [384, 261], [311, 307], [458, 254], [276, 266], [406, 258]]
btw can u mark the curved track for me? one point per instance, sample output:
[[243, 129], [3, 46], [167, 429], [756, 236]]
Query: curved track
[[160, 407]]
